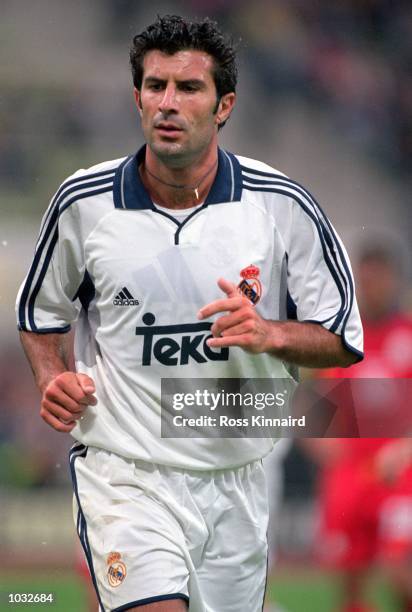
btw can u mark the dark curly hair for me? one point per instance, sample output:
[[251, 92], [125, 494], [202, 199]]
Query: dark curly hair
[[173, 33]]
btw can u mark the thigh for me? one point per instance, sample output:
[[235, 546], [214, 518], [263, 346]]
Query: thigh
[[135, 547], [233, 572]]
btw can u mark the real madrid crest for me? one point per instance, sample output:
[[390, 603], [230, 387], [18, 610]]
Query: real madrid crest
[[250, 285], [116, 571]]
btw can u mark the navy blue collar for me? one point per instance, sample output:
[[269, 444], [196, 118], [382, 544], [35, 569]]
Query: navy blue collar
[[129, 191]]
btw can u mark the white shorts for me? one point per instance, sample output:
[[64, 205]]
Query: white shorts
[[153, 533]]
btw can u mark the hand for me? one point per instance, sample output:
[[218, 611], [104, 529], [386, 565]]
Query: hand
[[242, 326], [65, 400]]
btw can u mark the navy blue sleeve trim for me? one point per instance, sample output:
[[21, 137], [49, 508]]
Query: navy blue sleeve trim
[[149, 600], [46, 330], [359, 354]]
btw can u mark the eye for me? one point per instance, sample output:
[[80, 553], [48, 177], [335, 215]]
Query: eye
[[188, 87], [155, 86]]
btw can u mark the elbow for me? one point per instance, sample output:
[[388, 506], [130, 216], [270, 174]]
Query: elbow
[[347, 358]]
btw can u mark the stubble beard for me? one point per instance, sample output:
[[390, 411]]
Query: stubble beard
[[171, 154], [177, 154]]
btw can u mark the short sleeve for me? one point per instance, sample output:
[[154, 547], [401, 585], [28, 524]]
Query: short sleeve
[[320, 280], [46, 300]]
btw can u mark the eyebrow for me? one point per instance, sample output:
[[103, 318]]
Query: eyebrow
[[194, 82]]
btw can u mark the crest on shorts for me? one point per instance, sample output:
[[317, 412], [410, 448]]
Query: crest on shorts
[[116, 571], [250, 285]]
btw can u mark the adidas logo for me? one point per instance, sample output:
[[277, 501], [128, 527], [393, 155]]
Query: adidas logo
[[125, 298]]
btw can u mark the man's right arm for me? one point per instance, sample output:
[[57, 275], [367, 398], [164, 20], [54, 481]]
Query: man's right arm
[[65, 394]]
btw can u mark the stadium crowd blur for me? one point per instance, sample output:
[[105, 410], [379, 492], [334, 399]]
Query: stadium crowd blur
[[348, 60], [352, 57]]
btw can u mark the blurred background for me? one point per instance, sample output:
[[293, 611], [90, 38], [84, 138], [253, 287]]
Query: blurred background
[[325, 95]]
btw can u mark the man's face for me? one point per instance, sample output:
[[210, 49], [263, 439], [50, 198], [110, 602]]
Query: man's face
[[177, 103]]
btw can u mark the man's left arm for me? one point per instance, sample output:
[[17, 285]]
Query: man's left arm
[[302, 343]]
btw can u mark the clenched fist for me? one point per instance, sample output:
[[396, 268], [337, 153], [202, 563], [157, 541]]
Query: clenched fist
[[65, 399]]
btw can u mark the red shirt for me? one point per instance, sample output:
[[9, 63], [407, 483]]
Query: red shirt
[[388, 354]]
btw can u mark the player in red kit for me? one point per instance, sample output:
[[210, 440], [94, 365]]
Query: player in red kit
[[365, 501]]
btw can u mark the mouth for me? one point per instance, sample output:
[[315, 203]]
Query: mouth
[[168, 129]]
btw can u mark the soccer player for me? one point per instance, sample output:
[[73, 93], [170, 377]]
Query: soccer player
[[365, 487], [178, 261]]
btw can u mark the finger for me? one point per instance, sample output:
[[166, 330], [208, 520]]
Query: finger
[[229, 288], [223, 305], [226, 322], [57, 396], [60, 411], [57, 424], [86, 383], [88, 400], [244, 340], [245, 327], [69, 384]]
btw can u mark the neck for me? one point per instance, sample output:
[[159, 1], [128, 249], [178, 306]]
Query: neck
[[179, 187]]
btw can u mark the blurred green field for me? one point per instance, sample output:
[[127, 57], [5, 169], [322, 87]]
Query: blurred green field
[[68, 592], [294, 590], [310, 590]]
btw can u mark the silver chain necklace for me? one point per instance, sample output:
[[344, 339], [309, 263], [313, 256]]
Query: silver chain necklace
[[195, 188]]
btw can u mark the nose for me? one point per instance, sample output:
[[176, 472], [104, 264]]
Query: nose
[[169, 102]]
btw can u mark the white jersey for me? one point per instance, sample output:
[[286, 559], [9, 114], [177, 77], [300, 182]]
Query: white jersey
[[134, 278]]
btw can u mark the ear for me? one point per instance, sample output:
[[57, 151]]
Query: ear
[[226, 104], [138, 100]]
